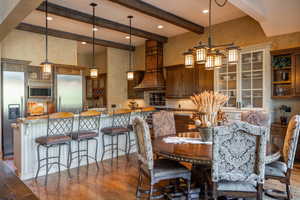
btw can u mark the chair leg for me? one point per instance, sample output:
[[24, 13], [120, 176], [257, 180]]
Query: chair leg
[[260, 192], [288, 191], [112, 150], [69, 158], [137, 193], [87, 152], [117, 146], [151, 191], [103, 148], [78, 155], [188, 189], [38, 159], [129, 142], [96, 153], [59, 153], [47, 164]]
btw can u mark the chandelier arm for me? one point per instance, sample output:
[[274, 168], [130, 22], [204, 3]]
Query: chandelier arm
[[209, 27], [221, 4]]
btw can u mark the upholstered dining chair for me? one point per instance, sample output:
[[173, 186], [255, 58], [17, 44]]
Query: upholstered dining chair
[[281, 170], [155, 170], [238, 168], [163, 123]]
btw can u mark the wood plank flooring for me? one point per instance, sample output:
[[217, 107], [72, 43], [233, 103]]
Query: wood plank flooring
[[117, 183]]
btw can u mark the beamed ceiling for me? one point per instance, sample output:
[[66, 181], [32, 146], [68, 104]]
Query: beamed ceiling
[[190, 10]]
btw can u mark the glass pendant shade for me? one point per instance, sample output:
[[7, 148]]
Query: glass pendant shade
[[233, 55], [210, 62], [218, 60], [130, 75], [201, 55], [93, 73], [189, 59], [46, 67]]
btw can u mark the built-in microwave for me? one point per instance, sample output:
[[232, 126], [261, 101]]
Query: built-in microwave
[[40, 92], [39, 89]]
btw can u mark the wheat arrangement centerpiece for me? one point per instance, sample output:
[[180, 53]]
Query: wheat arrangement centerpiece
[[208, 104]]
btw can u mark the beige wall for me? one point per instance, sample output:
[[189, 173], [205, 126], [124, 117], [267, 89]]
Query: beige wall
[[117, 65], [21, 45], [85, 59], [244, 31]]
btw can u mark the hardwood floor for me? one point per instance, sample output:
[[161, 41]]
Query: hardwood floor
[[117, 183]]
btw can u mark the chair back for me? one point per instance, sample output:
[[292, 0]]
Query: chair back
[[145, 154], [121, 118], [239, 153], [258, 118], [291, 141], [163, 123], [60, 123], [89, 121]]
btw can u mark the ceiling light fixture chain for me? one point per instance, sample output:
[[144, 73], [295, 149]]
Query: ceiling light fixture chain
[[130, 72], [221, 4], [46, 65]]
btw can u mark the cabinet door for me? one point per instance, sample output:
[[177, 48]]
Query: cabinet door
[[297, 74], [251, 73], [174, 84]]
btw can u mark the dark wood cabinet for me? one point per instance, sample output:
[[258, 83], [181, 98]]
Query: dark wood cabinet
[[131, 84], [183, 82], [286, 73], [96, 91], [183, 123]]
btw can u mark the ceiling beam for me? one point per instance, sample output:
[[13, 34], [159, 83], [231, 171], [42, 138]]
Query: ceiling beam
[[87, 18], [158, 13], [72, 36]]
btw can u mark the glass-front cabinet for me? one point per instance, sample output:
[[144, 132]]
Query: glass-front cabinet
[[245, 82]]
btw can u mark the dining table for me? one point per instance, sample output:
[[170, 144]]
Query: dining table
[[198, 154]]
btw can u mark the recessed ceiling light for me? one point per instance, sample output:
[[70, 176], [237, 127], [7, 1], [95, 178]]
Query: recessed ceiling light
[[160, 26], [127, 37], [95, 29], [83, 42], [205, 11], [49, 18]]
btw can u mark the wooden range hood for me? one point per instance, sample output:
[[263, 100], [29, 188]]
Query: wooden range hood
[[153, 78]]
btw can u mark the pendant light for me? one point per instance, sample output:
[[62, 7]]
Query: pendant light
[[93, 69], [210, 54], [46, 65], [130, 72]]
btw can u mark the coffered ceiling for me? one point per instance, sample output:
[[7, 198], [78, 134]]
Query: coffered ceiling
[[187, 9]]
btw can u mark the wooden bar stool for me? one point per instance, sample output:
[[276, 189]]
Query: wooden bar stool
[[119, 126], [88, 129], [59, 126]]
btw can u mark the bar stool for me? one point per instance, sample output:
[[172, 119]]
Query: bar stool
[[59, 126], [119, 126], [88, 129], [145, 114]]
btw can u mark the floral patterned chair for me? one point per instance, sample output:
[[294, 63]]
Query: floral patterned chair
[[281, 170], [238, 168], [163, 123], [155, 170]]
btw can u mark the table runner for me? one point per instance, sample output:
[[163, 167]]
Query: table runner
[[182, 140]]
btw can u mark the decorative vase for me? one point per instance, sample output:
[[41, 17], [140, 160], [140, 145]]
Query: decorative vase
[[206, 133]]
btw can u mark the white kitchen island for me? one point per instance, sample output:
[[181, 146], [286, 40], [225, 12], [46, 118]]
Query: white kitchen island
[[25, 148]]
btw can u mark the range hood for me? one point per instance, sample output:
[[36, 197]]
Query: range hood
[[153, 77]]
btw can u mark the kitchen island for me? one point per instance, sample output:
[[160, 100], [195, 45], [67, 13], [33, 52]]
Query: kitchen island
[[26, 130]]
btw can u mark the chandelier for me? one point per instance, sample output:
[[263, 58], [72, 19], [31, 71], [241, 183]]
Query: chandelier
[[130, 72], [93, 69], [209, 54], [46, 65]]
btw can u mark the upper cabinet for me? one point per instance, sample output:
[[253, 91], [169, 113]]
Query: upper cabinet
[[183, 82], [246, 83], [286, 73]]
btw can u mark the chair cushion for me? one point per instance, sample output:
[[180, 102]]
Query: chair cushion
[[169, 169], [55, 139], [276, 168], [84, 135], [236, 186], [114, 130]]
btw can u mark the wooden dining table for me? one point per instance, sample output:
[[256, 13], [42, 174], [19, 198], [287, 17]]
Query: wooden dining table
[[197, 154]]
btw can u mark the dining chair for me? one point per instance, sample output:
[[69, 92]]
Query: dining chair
[[119, 126], [281, 170], [163, 123], [238, 160], [88, 129], [59, 125], [155, 170]]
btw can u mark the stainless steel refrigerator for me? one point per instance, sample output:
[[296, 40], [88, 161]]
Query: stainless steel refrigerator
[[69, 93], [12, 106]]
